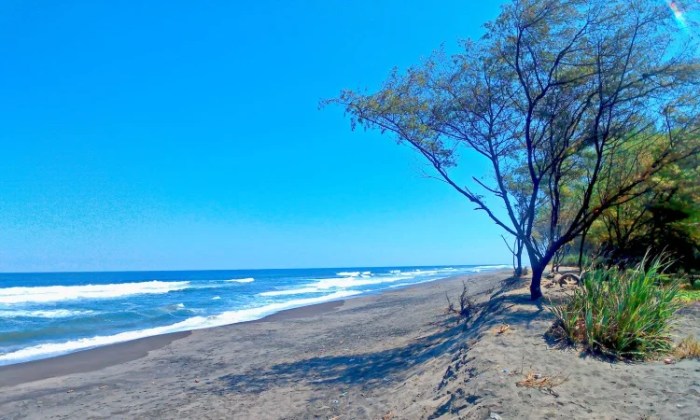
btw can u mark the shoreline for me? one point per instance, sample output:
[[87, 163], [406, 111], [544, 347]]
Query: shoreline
[[101, 357], [60, 354], [66, 345]]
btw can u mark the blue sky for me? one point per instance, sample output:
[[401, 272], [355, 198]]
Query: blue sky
[[187, 135]]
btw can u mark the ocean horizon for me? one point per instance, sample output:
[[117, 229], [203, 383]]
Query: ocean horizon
[[50, 314]]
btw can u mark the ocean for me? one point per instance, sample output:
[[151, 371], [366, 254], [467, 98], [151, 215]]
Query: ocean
[[48, 314]]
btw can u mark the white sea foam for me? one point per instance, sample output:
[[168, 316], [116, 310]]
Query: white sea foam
[[12, 295], [216, 298], [246, 280], [48, 313], [194, 323]]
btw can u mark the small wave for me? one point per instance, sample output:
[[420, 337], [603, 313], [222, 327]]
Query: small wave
[[216, 298], [348, 274], [246, 280], [194, 323], [290, 292], [322, 285], [481, 268], [13, 295], [418, 272], [348, 282], [49, 313]]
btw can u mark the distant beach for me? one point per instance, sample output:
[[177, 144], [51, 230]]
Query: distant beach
[[391, 355]]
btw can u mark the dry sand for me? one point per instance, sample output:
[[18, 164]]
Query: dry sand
[[394, 355]]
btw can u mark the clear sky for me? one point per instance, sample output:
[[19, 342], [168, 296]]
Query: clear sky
[[187, 135]]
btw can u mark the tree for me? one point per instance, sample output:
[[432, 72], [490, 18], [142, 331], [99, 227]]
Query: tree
[[516, 251], [552, 96]]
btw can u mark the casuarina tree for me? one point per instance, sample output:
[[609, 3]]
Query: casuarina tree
[[555, 96]]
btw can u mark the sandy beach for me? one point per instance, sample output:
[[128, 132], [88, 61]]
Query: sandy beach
[[394, 355]]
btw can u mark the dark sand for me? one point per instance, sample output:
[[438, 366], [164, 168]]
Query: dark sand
[[84, 361], [394, 355], [114, 354]]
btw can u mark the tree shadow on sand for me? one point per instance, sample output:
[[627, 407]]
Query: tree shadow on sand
[[367, 370], [373, 369]]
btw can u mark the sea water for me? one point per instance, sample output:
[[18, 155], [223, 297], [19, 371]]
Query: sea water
[[49, 314]]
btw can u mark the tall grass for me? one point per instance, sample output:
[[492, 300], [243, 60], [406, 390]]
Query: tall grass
[[624, 314]]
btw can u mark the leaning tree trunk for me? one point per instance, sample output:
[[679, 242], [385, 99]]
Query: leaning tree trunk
[[535, 283], [538, 267]]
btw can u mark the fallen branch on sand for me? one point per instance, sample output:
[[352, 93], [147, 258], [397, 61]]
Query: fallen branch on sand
[[535, 380], [502, 329]]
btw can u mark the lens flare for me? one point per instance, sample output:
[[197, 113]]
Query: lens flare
[[678, 14]]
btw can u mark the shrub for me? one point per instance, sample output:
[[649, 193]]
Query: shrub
[[623, 314], [571, 260], [466, 304]]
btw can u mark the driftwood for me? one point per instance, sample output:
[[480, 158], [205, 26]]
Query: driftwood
[[562, 280]]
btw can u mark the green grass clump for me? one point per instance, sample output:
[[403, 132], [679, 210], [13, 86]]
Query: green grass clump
[[623, 314]]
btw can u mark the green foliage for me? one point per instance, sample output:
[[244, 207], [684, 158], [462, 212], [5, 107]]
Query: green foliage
[[571, 260], [623, 314], [665, 218]]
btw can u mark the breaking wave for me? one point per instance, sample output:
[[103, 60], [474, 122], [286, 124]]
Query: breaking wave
[[13, 295]]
